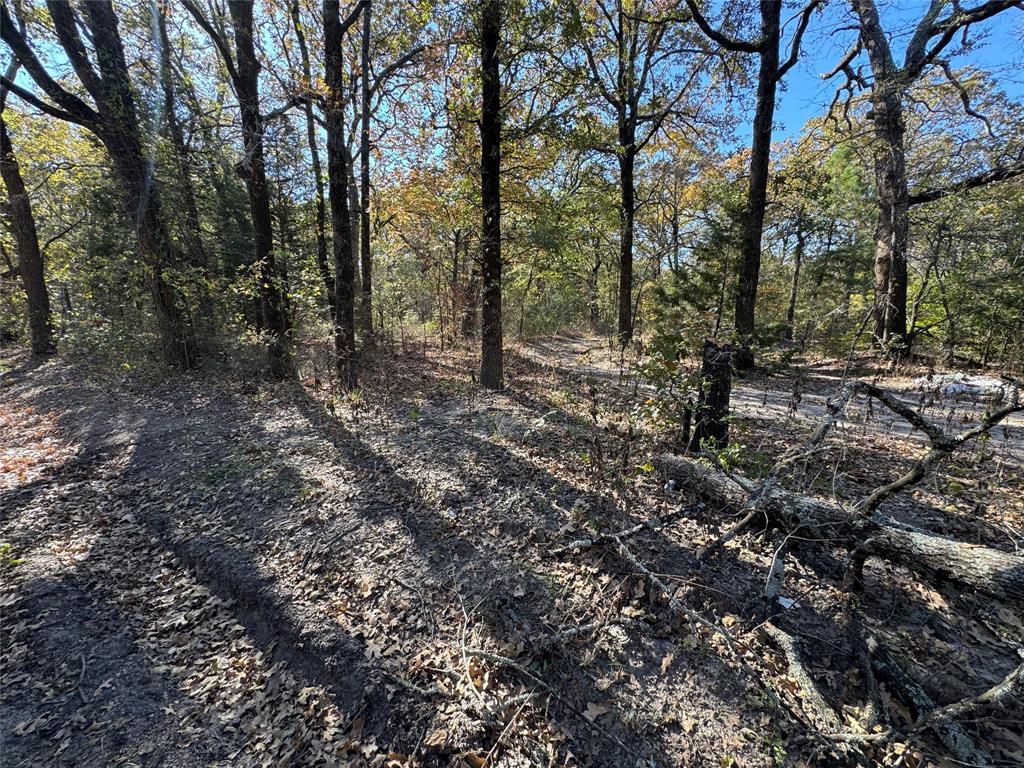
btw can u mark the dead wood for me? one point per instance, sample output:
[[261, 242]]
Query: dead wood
[[893, 672], [969, 566]]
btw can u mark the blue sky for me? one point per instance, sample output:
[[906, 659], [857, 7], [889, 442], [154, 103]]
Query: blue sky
[[1000, 48]]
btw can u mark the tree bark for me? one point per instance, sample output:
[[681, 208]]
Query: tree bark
[[30, 257], [253, 169], [627, 212], [337, 192], [366, 303], [491, 373], [713, 397], [749, 266], [891, 190]]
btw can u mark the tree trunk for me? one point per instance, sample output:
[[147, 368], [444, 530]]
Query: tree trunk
[[326, 273], [757, 191], [193, 232], [30, 258], [891, 230], [713, 397], [337, 192], [252, 168], [627, 211], [593, 299], [457, 297], [469, 319], [892, 195], [798, 257], [366, 304], [491, 374]]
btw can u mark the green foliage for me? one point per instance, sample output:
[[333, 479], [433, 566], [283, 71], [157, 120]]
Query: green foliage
[[7, 558]]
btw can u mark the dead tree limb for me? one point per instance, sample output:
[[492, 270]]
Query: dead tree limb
[[941, 720], [862, 528], [970, 566]]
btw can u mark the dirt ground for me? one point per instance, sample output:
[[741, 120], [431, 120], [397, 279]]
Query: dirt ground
[[214, 570]]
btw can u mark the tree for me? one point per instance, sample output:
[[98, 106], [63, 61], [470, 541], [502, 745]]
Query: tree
[[326, 273], [23, 226], [337, 191], [192, 230], [890, 87], [636, 64], [769, 73], [114, 120], [491, 375], [243, 69], [365, 256]]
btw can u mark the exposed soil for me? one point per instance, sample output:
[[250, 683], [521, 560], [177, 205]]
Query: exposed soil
[[255, 574]]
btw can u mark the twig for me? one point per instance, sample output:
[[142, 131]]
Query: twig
[[604, 538], [504, 660], [506, 729], [673, 602]]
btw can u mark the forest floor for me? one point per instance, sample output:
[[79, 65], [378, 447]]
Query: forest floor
[[220, 571]]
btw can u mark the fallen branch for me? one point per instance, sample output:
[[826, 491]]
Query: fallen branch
[[926, 715], [674, 604], [653, 524], [820, 709], [970, 566]]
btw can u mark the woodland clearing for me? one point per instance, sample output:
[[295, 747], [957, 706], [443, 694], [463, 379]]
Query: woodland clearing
[[207, 572]]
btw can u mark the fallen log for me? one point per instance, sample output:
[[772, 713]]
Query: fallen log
[[969, 566]]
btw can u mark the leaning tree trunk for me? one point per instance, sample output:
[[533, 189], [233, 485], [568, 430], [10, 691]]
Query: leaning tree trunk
[[253, 169], [491, 374], [118, 129], [749, 266], [30, 257]]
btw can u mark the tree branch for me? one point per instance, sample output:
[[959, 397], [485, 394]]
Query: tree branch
[[794, 48], [729, 43], [971, 182]]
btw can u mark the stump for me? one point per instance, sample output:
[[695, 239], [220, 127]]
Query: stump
[[712, 410]]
